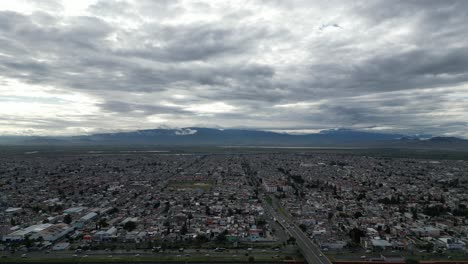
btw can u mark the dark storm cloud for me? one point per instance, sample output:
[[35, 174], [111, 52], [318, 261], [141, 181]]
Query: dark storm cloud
[[372, 63]]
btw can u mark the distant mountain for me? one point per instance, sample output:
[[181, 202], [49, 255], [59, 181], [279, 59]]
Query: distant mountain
[[449, 143], [199, 136]]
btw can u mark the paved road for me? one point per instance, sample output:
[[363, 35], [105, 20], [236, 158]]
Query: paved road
[[311, 252], [148, 253]]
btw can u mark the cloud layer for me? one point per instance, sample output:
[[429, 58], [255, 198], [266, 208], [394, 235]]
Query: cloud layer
[[73, 67]]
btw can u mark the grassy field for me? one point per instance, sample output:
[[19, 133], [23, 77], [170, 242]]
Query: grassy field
[[205, 186]]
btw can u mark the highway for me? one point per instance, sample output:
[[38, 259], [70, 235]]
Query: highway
[[311, 252]]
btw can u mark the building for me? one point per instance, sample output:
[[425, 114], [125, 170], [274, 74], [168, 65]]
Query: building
[[21, 234], [452, 243], [105, 235], [53, 232]]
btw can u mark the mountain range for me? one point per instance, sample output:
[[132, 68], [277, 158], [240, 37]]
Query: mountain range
[[199, 136]]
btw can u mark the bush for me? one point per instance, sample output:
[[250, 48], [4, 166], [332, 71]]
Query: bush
[[130, 226]]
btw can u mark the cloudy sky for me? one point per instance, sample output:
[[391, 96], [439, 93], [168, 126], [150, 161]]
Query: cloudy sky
[[78, 67]]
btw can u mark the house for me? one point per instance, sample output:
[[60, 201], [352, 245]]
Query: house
[[452, 243], [105, 235], [427, 231], [378, 244]]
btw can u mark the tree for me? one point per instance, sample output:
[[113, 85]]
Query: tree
[[183, 230], [222, 237], [291, 240], [166, 207], [130, 226], [357, 215], [103, 223], [303, 227], [67, 219], [356, 235], [388, 230], [230, 212], [414, 213], [28, 242], [201, 238]]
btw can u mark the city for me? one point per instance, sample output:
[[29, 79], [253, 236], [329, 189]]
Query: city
[[314, 207]]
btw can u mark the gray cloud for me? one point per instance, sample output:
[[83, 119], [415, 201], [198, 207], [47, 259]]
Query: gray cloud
[[370, 64]]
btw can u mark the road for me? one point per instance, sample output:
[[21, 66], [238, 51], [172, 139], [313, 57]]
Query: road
[[309, 250]]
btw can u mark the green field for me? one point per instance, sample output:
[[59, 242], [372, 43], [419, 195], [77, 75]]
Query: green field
[[205, 186]]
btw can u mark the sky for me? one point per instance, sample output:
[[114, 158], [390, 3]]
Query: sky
[[83, 67]]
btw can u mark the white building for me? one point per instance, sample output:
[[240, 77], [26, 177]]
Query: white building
[[105, 235], [452, 243], [54, 232], [21, 234]]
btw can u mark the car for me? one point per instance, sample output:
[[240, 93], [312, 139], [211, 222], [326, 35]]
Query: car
[[137, 255], [75, 255], [24, 256], [207, 255], [320, 255], [363, 257]]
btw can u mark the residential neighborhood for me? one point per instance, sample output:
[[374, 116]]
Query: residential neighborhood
[[343, 203]]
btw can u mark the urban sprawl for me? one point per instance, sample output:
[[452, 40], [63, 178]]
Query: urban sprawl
[[348, 206]]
